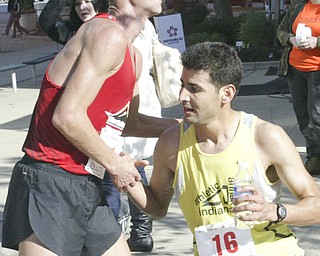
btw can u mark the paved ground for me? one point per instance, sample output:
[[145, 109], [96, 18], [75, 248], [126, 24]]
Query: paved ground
[[264, 95]]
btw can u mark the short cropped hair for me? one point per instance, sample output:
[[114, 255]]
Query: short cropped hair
[[219, 59]]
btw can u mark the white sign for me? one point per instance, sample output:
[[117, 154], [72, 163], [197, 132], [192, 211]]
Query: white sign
[[239, 43], [170, 31]]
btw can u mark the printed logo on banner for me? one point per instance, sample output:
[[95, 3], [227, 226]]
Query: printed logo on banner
[[170, 31]]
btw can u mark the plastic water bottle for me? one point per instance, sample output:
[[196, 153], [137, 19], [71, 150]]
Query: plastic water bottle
[[242, 178]]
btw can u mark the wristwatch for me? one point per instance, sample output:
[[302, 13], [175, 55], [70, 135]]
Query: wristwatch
[[281, 213]]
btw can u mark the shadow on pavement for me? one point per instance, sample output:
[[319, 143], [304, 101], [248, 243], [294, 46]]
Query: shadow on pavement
[[18, 124], [277, 86]]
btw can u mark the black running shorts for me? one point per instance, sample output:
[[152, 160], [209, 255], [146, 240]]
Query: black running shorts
[[66, 212]]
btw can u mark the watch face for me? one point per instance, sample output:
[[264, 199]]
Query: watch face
[[282, 212]]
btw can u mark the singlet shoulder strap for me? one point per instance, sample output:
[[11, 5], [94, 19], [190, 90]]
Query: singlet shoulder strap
[[248, 119], [105, 16]]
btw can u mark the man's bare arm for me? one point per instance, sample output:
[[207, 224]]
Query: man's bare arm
[[276, 149], [140, 125], [102, 52], [154, 199]]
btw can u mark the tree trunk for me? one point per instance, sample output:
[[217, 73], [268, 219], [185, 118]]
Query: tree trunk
[[222, 8], [276, 11], [276, 18]]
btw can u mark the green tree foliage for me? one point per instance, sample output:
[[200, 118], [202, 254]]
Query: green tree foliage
[[26, 5], [192, 18], [253, 28], [228, 27], [257, 30]]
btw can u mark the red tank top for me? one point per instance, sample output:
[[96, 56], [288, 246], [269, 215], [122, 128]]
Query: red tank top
[[45, 143]]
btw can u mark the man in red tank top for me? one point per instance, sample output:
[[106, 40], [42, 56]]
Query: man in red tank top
[[54, 203]]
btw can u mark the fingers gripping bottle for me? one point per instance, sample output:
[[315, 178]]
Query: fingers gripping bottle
[[242, 178]]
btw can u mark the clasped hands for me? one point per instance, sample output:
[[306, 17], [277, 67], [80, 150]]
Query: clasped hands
[[125, 173]]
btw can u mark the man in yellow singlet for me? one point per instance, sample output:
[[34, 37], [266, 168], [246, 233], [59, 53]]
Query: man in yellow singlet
[[198, 159]]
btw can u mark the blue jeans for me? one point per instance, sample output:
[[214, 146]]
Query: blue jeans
[[305, 92], [112, 196]]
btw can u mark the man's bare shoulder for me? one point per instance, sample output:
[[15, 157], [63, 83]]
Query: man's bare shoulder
[[171, 134], [167, 147], [100, 44], [268, 134], [95, 36], [168, 144], [102, 33], [265, 128]]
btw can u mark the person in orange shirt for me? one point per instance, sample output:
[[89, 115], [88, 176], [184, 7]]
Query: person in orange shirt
[[302, 68]]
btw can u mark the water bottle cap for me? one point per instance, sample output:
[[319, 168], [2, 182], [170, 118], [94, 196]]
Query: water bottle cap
[[243, 165]]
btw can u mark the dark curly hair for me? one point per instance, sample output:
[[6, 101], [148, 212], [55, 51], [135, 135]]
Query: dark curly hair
[[219, 59]]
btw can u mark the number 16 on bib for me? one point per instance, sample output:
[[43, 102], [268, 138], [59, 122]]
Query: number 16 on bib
[[224, 242]]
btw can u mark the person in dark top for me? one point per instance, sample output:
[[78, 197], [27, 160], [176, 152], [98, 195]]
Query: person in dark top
[[61, 30], [300, 65]]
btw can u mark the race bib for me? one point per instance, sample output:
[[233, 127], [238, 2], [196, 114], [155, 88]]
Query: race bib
[[111, 135], [95, 168], [224, 239]]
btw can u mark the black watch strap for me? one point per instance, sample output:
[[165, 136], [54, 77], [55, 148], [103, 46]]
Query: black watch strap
[[281, 213]]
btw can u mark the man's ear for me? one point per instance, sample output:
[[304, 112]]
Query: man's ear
[[227, 93]]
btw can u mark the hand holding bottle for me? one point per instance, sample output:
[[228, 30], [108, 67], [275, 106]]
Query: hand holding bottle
[[250, 205], [242, 179]]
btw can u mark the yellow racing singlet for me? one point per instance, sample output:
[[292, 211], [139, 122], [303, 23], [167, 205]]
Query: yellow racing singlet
[[203, 185]]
